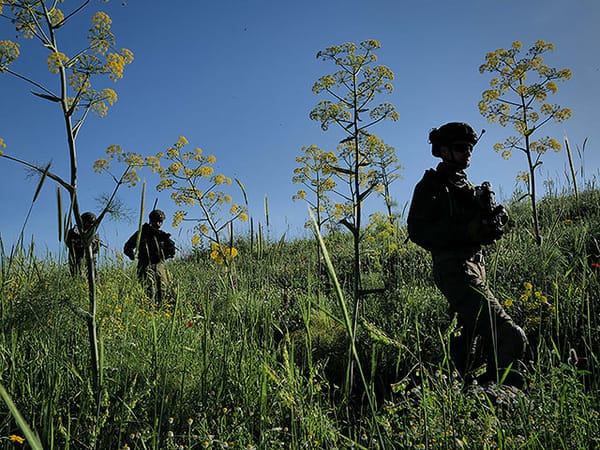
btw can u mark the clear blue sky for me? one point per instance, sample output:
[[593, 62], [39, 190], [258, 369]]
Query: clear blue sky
[[235, 78]]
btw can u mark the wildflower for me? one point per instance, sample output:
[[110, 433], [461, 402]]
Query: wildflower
[[190, 324], [206, 171], [115, 64], [101, 19], [56, 60], [182, 141], [196, 239], [109, 95], [190, 420], [508, 302], [9, 51], [16, 438], [171, 420], [595, 266]]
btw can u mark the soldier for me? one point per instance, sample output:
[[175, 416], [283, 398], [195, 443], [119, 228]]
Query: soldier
[[447, 218], [155, 246], [74, 242]]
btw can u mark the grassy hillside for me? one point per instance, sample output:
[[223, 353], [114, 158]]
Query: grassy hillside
[[264, 363]]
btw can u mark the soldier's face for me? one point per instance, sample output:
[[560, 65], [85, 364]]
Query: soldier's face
[[458, 153]]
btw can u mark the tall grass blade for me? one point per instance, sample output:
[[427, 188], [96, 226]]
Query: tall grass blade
[[243, 189], [31, 437], [572, 168], [141, 220], [41, 183], [267, 209], [59, 208], [347, 320]]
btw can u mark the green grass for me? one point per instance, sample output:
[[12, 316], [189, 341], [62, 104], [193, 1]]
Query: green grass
[[264, 365]]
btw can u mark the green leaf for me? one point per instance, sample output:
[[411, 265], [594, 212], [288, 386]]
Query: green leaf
[[41, 183], [52, 98]]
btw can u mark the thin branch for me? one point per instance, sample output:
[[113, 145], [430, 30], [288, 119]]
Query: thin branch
[[50, 175], [30, 81], [62, 22]]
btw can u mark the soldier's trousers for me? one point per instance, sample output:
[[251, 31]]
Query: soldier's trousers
[[155, 280], [481, 320]]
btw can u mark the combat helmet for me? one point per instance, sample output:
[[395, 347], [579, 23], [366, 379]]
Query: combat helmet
[[156, 215], [88, 218], [452, 131]]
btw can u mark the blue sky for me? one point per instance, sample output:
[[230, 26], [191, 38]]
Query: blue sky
[[235, 78]]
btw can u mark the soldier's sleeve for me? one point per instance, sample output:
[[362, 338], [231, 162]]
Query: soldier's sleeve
[[129, 247]]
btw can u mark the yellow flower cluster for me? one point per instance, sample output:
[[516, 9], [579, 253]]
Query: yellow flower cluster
[[206, 171], [184, 173], [56, 16], [79, 81], [133, 162], [116, 62], [523, 176], [56, 60], [196, 238], [178, 218], [220, 179], [9, 51], [181, 142], [16, 438], [107, 97], [203, 229], [101, 21], [535, 305], [100, 36], [222, 253]]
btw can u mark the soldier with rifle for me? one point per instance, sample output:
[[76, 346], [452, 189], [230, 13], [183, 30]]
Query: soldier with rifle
[[75, 243], [154, 246], [453, 219]]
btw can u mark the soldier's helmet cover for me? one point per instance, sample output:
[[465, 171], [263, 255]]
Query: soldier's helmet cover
[[451, 132], [156, 215]]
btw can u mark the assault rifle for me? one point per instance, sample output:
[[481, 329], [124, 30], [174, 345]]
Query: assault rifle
[[494, 216]]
